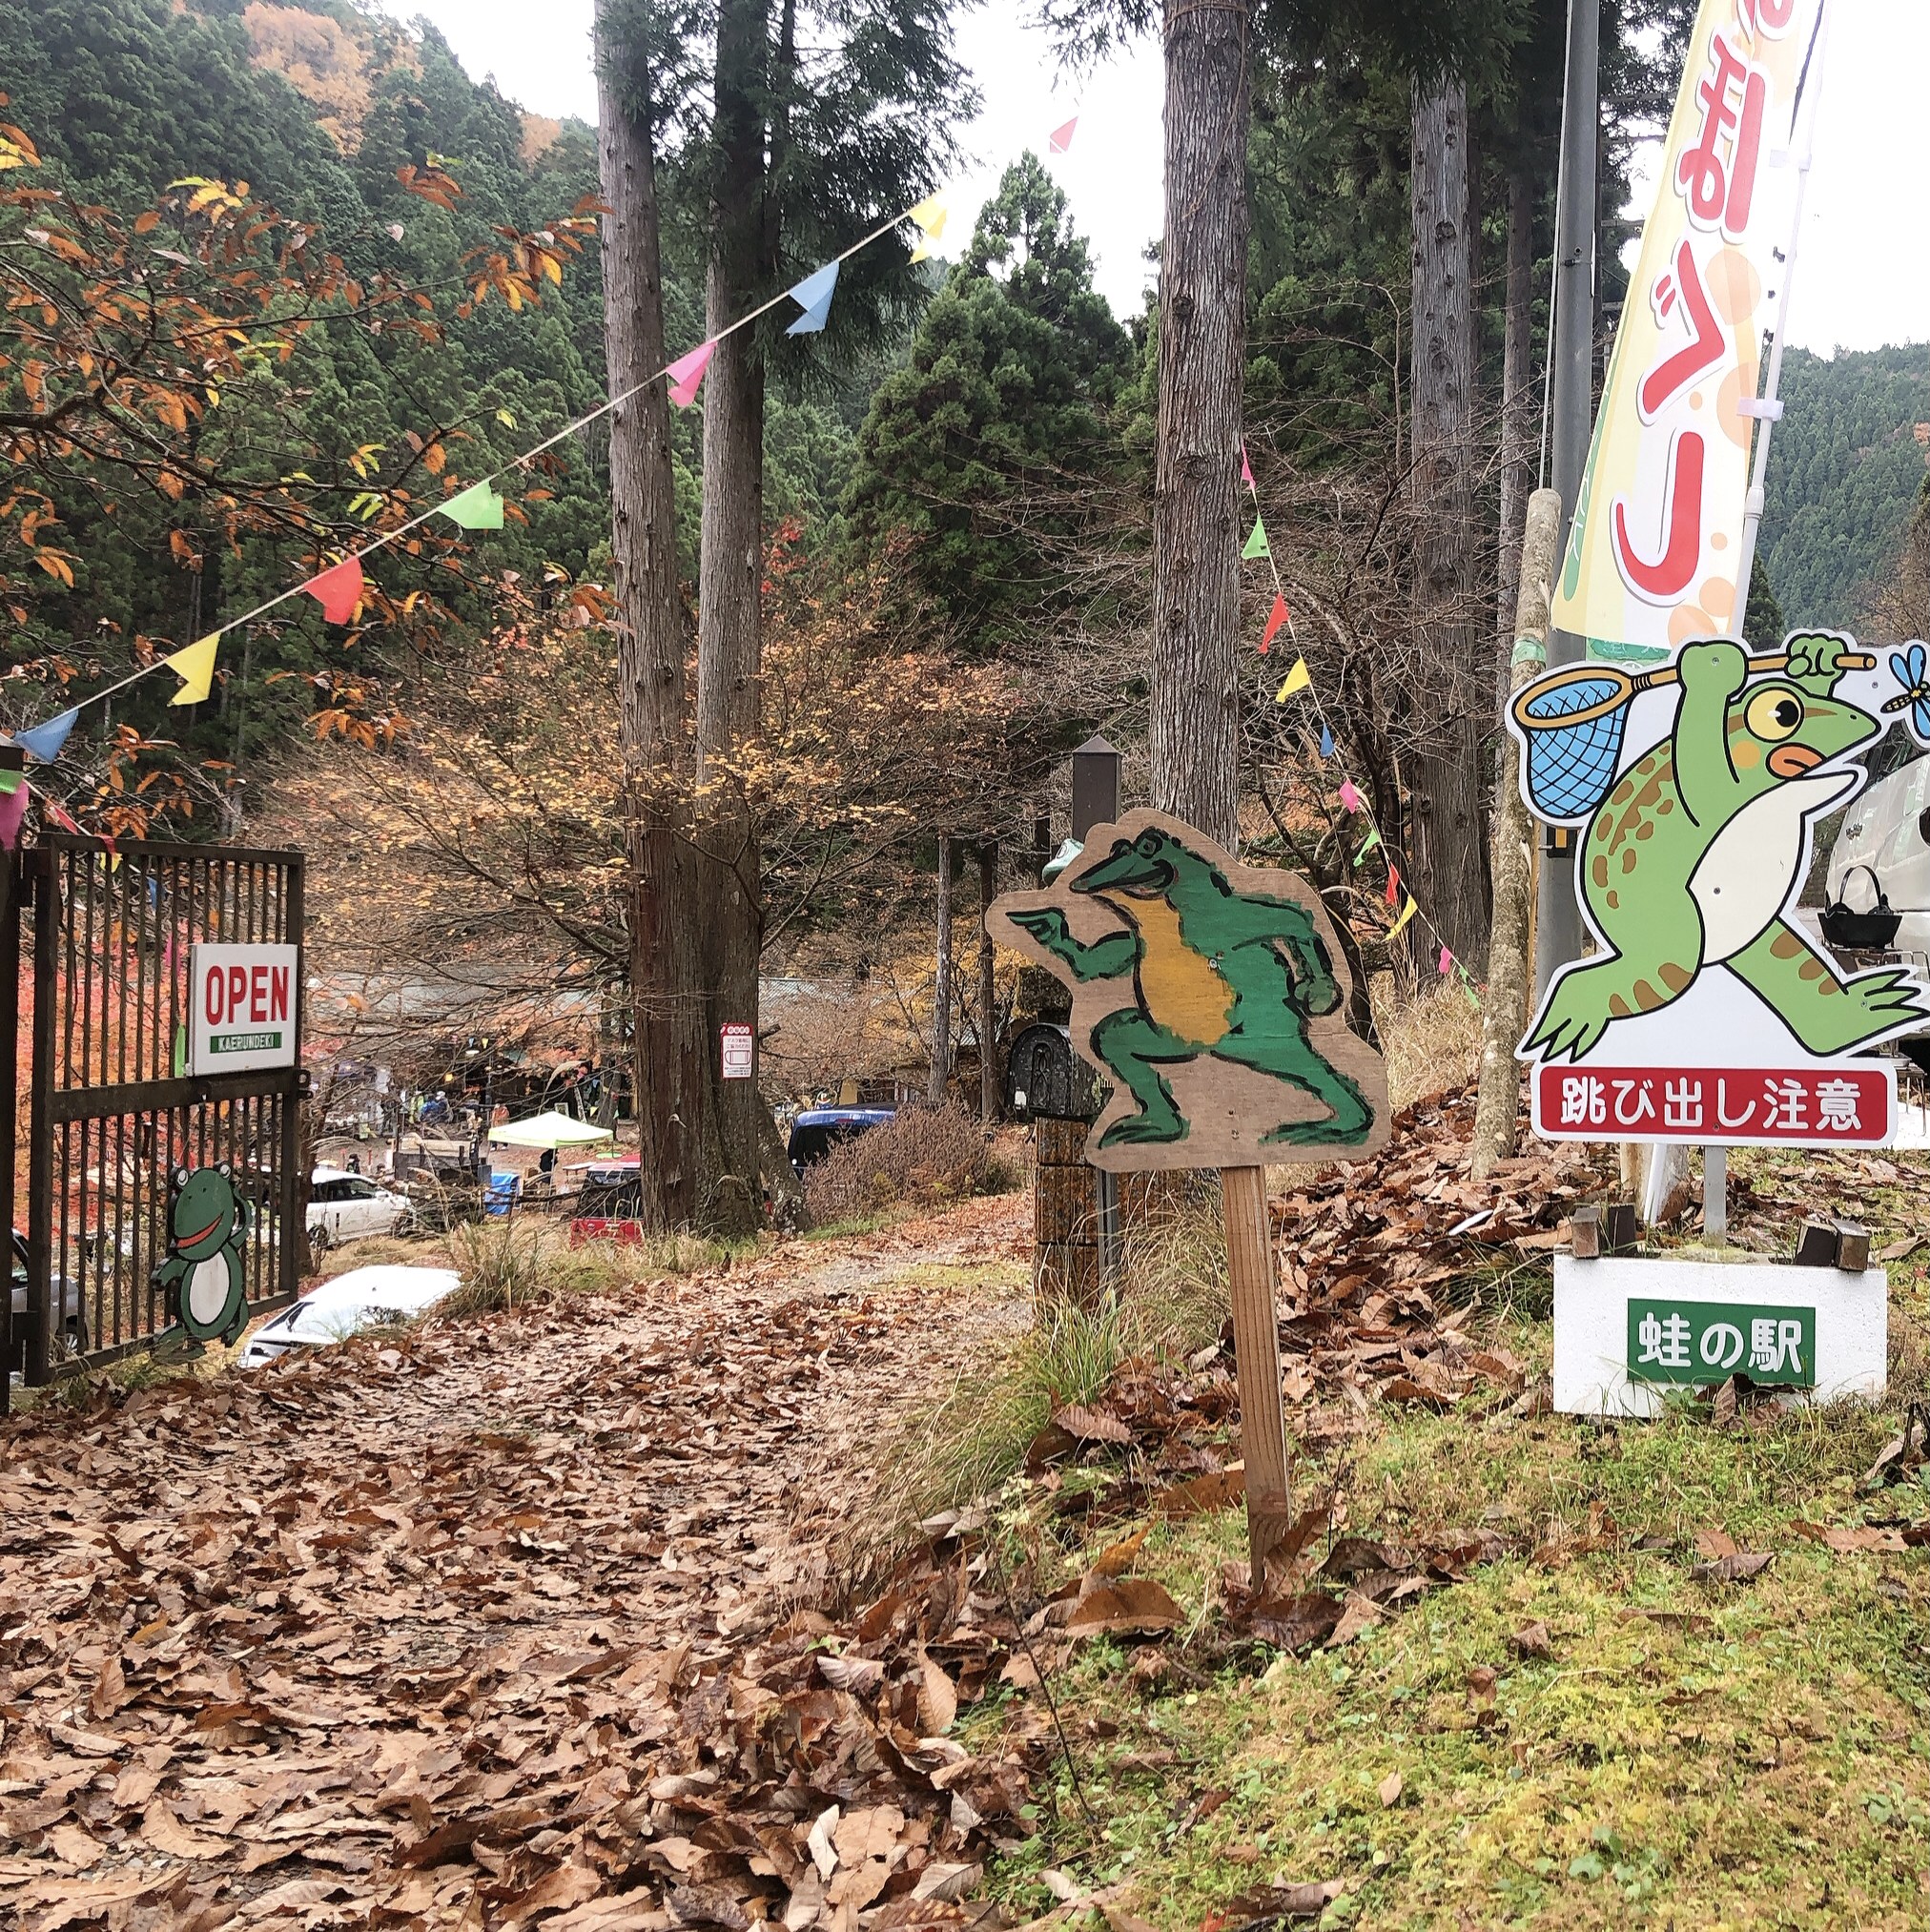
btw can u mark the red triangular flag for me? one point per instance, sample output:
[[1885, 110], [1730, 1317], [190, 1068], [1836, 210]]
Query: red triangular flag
[[1060, 138], [338, 590], [1393, 884], [1275, 620]]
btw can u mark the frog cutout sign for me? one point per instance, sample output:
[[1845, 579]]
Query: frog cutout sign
[[1710, 1012], [1211, 995], [204, 1269]]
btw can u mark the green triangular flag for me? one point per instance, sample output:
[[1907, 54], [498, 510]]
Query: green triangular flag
[[476, 508], [1372, 839], [1257, 545]]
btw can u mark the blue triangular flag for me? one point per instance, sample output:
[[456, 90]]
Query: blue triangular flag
[[812, 295], [1326, 742], [44, 741]]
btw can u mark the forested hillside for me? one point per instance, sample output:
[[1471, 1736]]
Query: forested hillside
[[1849, 459], [317, 109]]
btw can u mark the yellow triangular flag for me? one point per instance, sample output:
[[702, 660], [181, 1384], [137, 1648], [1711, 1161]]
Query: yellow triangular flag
[[930, 216], [194, 666], [1297, 680], [1408, 912]]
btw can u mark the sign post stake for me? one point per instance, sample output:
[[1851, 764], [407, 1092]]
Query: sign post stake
[[1256, 1355]]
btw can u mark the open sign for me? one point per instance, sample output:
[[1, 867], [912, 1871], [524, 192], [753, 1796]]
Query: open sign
[[244, 1002]]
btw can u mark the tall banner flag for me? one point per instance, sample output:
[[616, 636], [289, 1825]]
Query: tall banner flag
[[1653, 555]]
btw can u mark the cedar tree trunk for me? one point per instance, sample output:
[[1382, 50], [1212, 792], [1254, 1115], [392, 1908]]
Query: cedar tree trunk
[[1203, 358], [730, 619], [1449, 702], [671, 1047]]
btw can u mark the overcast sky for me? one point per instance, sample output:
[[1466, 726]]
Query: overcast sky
[[1863, 277]]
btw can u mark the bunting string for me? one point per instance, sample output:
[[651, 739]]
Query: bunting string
[[479, 507], [1299, 682]]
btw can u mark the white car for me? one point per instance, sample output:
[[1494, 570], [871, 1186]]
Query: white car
[[363, 1297], [344, 1207]]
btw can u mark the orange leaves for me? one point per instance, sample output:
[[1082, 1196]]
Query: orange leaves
[[431, 184], [17, 151]]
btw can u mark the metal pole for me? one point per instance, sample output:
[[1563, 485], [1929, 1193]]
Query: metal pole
[[1767, 412], [1558, 920]]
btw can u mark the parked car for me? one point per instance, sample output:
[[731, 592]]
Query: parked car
[[363, 1297], [817, 1130], [65, 1297], [1884, 848], [344, 1207]]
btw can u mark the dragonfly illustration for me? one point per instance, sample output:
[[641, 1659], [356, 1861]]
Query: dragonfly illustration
[[1910, 666]]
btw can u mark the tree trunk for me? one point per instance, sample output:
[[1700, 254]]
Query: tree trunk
[[1203, 355], [941, 997], [730, 618], [1510, 953], [670, 1044], [988, 985], [1517, 419], [1449, 701]]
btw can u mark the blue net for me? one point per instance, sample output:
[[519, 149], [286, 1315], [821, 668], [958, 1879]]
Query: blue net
[[1571, 767]]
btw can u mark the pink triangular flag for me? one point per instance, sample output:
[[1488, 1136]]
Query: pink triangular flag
[[1245, 468], [13, 810], [1276, 618], [1447, 962], [686, 373], [1060, 138], [338, 590], [1350, 799]]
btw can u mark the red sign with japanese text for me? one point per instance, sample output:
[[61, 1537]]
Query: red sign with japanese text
[[1850, 1103]]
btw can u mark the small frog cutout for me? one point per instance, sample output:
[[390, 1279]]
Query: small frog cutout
[[1695, 857], [203, 1268]]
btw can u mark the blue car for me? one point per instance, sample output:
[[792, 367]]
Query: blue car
[[817, 1130]]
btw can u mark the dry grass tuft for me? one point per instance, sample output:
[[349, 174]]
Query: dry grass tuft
[[1432, 1039], [924, 1157]]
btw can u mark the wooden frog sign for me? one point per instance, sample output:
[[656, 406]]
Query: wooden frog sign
[[1211, 995]]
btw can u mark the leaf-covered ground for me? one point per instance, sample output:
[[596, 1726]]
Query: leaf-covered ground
[[406, 1631], [544, 1620]]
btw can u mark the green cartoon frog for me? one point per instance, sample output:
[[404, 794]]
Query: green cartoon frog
[[204, 1269], [1695, 855]]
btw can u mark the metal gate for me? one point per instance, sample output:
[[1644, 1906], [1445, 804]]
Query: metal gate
[[105, 938]]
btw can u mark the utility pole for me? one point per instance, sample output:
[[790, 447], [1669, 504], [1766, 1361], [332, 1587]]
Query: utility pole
[[941, 1001], [1558, 919]]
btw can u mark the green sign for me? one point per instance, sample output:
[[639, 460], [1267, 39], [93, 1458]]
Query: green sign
[[245, 1042], [1696, 1342]]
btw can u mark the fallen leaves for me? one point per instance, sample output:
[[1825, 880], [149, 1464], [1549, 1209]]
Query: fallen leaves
[[494, 1626], [1724, 1563], [1136, 1604], [1532, 1639]]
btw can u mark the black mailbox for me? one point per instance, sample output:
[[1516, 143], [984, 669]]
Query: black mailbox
[[1045, 1080]]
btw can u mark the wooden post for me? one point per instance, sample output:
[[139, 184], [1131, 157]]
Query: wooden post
[[1256, 1354], [941, 997], [988, 991]]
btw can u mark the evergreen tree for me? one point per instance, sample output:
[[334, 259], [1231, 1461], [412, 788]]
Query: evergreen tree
[[975, 463]]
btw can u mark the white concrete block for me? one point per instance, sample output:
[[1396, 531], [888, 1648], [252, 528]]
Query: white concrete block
[[1847, 1315]]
